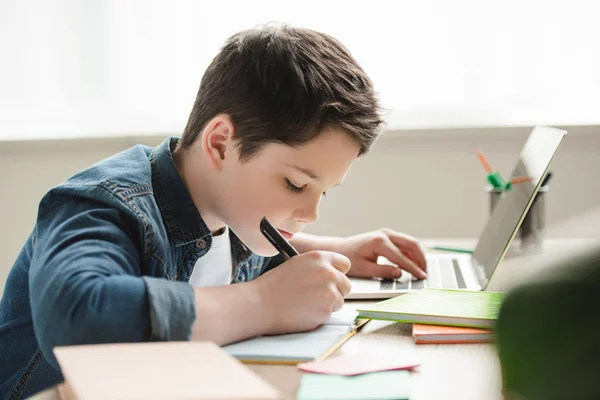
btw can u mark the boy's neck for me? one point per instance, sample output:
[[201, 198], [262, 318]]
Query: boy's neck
[[195, 175]]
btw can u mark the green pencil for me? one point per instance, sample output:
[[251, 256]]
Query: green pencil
[[454, 249]]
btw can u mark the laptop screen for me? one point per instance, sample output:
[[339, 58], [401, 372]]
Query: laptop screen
[[512, 207]]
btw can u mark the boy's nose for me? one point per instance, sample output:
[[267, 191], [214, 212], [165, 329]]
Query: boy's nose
[[309, 213]]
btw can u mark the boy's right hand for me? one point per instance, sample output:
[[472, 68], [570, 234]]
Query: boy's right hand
[[301, 293]]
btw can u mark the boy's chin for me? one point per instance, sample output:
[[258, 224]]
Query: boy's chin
[[262, 247], [256, 242], [264, 251]]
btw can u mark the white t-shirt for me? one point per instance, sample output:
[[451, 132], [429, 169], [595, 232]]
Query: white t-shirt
[[214, 267]]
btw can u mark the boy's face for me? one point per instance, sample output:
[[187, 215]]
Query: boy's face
[[284, 184]]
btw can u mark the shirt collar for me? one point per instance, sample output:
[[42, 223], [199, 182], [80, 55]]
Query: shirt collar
[[181, 217]]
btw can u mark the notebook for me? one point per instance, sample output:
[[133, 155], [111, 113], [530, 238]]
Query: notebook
[[438, 334], [160, 370], [359, 363], [374, 386], [474, 309], [294, 348]]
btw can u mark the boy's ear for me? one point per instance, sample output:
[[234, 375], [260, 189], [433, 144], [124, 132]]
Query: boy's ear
[[217, 140]]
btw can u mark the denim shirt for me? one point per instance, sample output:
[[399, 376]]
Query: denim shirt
[[108, 261]]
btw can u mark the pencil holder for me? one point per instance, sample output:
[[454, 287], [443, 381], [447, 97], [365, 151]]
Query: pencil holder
[[530, 236]]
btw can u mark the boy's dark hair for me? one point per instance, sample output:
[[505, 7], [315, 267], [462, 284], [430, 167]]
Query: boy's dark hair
[[284, 84]]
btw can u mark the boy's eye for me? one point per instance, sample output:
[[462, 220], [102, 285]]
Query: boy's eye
[[294, 188], [298, 189]]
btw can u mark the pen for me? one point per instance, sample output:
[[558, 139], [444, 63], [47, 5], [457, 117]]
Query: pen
[[454, 249], [544, 184], [494, 178], [517, 180], [484, 161], [546, 179], [276, 239], [521, 179]]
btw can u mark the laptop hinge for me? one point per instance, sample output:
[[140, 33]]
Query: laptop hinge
[[482, 278]]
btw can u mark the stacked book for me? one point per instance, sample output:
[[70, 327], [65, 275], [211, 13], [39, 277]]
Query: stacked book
[[442, 316]]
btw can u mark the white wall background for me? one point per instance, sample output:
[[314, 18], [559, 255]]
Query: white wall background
[[81, 68]]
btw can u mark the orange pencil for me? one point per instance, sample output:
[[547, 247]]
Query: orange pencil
[[484, 161], [521, 179]]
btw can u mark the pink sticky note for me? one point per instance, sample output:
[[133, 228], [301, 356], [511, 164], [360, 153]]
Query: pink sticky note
[[358, 363]]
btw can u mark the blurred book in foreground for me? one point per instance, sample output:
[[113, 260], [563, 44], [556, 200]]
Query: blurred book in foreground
[[159, 370]]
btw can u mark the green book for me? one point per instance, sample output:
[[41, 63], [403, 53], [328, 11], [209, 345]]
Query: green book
[[474, 309]]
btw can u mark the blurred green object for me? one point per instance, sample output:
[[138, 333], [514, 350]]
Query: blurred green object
[[548, 332], [495, 179], [452, 248]]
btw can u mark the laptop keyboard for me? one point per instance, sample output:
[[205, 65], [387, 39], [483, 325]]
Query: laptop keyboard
[[442, 273]]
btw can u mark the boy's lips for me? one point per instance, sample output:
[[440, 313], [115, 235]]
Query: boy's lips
[[286, 234]]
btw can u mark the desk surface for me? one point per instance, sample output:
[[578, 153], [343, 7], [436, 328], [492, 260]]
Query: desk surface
[[461, 371]]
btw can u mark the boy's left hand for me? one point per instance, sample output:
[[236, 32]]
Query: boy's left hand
[[400, 249]]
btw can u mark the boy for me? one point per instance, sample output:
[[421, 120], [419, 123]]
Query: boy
[[280, 116]]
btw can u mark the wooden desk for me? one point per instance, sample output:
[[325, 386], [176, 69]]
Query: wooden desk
[[462, 371]]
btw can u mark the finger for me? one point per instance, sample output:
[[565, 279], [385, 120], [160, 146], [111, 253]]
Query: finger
[[339, 262], [373, 270], [341, 281], [338, 302], [410, 256], [390, 251], [411, 245]]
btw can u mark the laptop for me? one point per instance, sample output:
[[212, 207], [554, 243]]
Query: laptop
[[473, 272]]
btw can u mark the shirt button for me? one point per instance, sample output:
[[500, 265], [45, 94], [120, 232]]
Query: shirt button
[[200, 243]]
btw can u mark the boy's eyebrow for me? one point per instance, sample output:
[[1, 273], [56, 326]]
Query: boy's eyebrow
[[307, 172]]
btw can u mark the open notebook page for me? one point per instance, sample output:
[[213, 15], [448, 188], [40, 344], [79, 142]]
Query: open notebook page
[[296, 347]]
